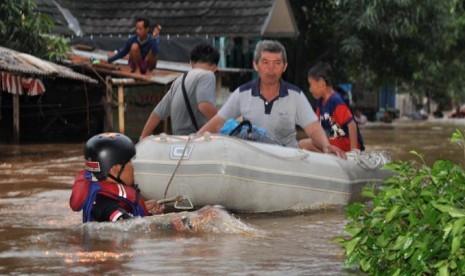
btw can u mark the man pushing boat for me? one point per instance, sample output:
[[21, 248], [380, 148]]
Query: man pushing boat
[[105, 190]]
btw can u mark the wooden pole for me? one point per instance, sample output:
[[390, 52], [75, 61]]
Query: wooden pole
[[16, 118], [121, 108], [107, 100]]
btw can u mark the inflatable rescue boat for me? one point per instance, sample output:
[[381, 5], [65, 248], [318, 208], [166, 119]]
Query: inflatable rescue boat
[[245, 176]]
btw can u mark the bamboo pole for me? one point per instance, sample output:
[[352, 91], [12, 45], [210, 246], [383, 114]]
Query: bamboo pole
[[107, 100], [16, 118], [121, 108]]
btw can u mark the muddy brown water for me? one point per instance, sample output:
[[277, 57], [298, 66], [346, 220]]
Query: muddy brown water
[[41, 235]]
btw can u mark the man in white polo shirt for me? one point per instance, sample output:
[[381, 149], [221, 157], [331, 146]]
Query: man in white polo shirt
[[273, 104]]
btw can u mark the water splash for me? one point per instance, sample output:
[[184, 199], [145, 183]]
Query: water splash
[[206, 220]]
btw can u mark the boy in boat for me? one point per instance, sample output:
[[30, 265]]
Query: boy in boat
[[142, 49], [105, 190], [334, 114]]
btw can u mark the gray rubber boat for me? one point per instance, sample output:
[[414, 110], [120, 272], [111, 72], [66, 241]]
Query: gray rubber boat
[[251, 177]]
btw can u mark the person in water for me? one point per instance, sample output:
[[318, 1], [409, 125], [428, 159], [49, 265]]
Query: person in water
[[333, 112], [105, 190]]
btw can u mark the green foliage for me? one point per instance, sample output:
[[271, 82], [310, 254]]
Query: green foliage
[[317, 38], [23, 29], [419, 43], [413, 225], [57, 47], [458, 137], [413, 44]]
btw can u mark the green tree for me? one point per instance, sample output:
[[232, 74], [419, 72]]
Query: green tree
[[415, 45], [23, 29], [316, 40], [412, 42]]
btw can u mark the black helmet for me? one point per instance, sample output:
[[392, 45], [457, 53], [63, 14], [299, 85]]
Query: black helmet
[[105, 150]]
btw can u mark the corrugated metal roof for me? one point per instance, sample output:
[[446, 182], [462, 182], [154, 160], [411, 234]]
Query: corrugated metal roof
[[161, 64], [19, 63], [10, 63]]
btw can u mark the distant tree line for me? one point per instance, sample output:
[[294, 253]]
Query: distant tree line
[[416, 45]]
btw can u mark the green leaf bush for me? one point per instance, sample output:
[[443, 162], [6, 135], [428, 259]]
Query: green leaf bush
[[24, 29], [413, 225]]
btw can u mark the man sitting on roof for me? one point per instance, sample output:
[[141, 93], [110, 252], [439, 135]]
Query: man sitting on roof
[[142, 49]]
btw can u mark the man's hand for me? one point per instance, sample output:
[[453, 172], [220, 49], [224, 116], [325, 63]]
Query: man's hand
[[153, 207], [335, 150]]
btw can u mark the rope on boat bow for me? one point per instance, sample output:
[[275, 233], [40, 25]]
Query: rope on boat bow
[[177, 166], [368, 160]]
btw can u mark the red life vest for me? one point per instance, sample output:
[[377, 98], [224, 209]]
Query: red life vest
[[126, 195]]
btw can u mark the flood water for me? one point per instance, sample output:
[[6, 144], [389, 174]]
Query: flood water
[[41, 235]]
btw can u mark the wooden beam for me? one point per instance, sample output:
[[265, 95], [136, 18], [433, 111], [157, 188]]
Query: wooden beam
[[16, 119], [156, 76], [107, 100], [121, 108]]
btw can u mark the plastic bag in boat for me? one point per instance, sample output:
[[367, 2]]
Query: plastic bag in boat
[[232, 124], [245, 130]]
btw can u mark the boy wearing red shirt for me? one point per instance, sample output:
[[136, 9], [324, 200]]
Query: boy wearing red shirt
[[335, 115], [105, 190]]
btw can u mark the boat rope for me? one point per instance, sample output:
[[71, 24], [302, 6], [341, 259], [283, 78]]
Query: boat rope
[[177, 166], [242, 231], [108, 86], [368, 160]]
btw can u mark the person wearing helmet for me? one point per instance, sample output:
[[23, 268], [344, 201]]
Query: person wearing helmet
[[105, 190]]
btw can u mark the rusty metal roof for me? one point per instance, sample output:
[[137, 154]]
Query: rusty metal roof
[[20, 63]]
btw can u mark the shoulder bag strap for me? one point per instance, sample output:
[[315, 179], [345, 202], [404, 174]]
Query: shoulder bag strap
[[186, 99]]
